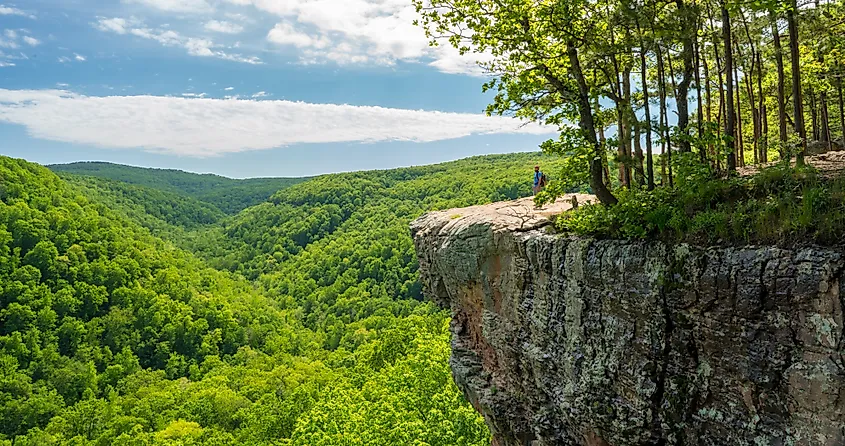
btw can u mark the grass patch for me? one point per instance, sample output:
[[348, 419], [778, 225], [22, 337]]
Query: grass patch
[[779, 205]]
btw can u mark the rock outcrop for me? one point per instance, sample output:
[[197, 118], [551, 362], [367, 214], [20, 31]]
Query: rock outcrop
[[559, 340]]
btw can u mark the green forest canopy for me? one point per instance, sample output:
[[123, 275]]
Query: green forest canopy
[[299, 321], [226, 194]]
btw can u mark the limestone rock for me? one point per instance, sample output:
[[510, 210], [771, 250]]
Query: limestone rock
[[559, 340]]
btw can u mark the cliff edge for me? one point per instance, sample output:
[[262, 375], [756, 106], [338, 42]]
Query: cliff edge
[[560, 340]]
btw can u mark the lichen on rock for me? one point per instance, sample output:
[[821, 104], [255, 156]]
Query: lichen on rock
[[560, 340]]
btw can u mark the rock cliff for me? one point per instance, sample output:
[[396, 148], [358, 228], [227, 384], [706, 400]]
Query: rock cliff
[[559, 340]]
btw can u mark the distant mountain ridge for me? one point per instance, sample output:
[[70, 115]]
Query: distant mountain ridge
[[229, 195]]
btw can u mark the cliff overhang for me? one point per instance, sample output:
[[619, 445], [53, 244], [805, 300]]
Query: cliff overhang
[[561, 340]]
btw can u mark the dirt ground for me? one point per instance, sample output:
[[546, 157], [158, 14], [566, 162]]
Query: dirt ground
[[830, 164]]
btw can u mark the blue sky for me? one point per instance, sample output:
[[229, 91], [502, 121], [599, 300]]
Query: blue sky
[[241, 88]]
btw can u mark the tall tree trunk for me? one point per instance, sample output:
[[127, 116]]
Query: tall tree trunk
[[720, 117], [709, 100], [621, 143], [682, 94], [755, 117], [730, 124], [599, 125], [764, 143], [797, 92], [666, 114], [630, 121], [638, 154], [666, 143], [648, 147], [623, 110], [749, 81], [841, 107], [623, 150], [740, 161], [825, 119], [781, 81], [700, 110], [814, 116], [588, 128]]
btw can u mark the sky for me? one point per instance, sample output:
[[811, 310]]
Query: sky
[[241, 88]]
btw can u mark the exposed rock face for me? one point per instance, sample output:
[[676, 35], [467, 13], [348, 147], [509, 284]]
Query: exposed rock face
[[572, 341]]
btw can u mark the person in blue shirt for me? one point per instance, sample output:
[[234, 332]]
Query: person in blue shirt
[[539, 180]]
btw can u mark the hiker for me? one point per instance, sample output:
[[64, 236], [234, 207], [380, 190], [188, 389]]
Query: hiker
[[539, 180]]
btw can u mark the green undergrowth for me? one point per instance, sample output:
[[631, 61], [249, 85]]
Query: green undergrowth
[[779, 205]]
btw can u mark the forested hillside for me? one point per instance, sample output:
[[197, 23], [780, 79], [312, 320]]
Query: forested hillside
[[296, 322], [226, 194], [153, 208]]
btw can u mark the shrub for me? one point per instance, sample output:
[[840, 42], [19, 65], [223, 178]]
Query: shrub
[[779, 205]]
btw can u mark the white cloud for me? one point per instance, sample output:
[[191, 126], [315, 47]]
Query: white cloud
[[229, 88], [285, 34], [260, 94], [79, 57], [176, 5], [8, 10], [212, 127], [224, 27], [64, 59], [239, 17], [194, 95], [19, 56], [9, 40], [358, 32], [6, 64], [170, 38], [115, 25]]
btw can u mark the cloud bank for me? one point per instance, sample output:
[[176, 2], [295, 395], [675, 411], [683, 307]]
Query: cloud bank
[[343, 32], [203, 127], [377, 32], [222, 26], [194, 46]]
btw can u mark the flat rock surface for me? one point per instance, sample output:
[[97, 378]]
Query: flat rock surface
[[520, 215]]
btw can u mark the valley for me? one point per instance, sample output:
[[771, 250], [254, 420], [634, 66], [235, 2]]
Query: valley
[[142, 314]]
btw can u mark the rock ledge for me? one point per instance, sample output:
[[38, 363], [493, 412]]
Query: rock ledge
[[560, 340]]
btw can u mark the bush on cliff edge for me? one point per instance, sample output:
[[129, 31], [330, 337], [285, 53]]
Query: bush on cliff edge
[[778, 205]]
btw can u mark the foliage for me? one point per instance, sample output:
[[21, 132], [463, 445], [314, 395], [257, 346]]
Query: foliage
[[628, 66], [154, 209], [111, 335], [779, 205], [338, 247], [226, 194]]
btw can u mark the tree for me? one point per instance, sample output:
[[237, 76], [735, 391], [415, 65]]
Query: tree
[[537, 51], [730, 122], [797, 91]]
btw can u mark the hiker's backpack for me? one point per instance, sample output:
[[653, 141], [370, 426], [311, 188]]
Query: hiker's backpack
[[543, 180]]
